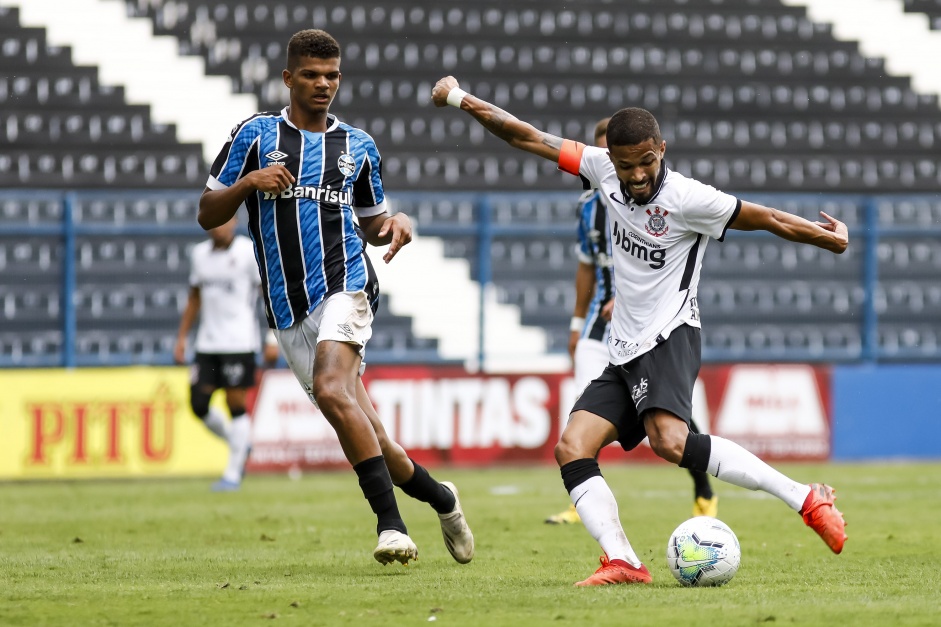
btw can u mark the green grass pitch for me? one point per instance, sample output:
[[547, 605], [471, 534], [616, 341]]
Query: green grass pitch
[[299, 552]]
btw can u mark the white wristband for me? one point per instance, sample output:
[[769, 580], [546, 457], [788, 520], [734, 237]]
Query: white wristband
[[455, 96], [576, 324]]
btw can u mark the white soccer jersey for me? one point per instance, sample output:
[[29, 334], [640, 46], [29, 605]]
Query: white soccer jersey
[[658, 249], [228, 283]]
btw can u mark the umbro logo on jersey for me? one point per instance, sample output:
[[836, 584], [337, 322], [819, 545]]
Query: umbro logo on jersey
[[275, 157], [637, 247]]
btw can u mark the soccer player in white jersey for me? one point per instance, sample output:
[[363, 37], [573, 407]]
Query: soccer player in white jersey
[[660, 222], [303, 176], [223, 293], [590, 325]]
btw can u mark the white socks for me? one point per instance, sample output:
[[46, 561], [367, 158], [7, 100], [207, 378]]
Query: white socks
[[240, 433], [237, 433], [598, 510], [733, 464], [217, 422]]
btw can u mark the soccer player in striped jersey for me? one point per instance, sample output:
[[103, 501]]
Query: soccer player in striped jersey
[[590, 325], [660, 222], [303, 176]]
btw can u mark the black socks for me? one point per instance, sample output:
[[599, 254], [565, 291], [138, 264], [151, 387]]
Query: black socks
[[697, 451], [424, 488], [578, 472], [376, 484]]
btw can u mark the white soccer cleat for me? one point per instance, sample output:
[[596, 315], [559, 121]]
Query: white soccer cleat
[[457, 535], [395, 546]]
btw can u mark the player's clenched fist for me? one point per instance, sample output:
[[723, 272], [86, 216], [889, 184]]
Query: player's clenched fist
[[274, 179], [439, 94]]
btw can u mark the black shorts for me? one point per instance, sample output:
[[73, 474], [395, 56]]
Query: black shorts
[[662, 378], [219, 370]]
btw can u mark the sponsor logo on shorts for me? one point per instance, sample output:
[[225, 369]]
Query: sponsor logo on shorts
[[639, 391], [346, 330], [233, 374]]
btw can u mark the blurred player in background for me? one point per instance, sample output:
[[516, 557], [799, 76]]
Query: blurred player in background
[[303, 175], [223, 295], [590, 325], [660, 223]]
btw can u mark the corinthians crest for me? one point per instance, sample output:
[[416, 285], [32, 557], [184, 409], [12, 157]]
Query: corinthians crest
[[657, 223]]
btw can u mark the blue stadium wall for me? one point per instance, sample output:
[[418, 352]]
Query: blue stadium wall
[[886, 412]]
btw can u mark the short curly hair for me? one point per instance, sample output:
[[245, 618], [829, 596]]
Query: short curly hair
[[312, 43], [632, 126]]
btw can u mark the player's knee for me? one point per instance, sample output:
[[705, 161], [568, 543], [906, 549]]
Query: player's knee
[[325, 395], [199, 402], [568, 450], [332, 398], [667, 445]]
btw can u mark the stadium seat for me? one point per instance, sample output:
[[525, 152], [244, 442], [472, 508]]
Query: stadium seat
[[752, 97]]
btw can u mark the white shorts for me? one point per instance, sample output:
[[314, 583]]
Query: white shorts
[[345, 317], [591, 358]]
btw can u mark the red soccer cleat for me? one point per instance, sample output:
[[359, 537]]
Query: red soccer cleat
[[821, 515], [616, 571]]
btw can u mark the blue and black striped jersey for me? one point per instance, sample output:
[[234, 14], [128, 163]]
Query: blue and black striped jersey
[[306, 243], [594, 248]]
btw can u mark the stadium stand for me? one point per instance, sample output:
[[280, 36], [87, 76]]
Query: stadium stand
[[753, 97], [751, 94], [931, 8], [61, 128]]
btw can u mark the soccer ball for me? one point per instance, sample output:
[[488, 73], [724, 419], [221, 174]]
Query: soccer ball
[[703, 551]]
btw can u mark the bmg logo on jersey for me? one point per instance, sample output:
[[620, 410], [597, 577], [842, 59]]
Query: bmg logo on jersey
[[638, 247], [320, 194]]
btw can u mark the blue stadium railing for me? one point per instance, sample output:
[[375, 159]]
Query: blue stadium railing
[[483, 230]]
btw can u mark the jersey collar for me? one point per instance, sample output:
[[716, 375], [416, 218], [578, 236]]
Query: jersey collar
[[332, 120]]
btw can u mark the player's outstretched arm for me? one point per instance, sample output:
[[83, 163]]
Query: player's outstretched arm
[[217, 206], [513, 131], [395, 230], [830, 234]]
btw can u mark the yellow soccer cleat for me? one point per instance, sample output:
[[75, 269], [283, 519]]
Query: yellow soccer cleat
[[706, 507], [568, 517]]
